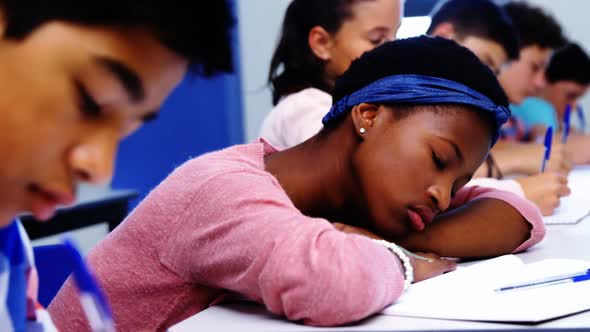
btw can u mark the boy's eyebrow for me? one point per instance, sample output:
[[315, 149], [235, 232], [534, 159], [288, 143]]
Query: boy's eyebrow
[[127, 76], [380, 29]]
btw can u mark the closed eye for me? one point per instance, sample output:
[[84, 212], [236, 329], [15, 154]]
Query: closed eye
[[87, 105], [440, 165], [376, 41]]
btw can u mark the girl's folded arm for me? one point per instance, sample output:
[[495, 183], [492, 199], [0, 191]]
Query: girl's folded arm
[[242, 236], [481, 222]]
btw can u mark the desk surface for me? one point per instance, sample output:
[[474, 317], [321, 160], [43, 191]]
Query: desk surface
[[561, 241]]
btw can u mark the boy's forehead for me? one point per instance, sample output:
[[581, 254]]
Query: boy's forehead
[[536, 52], [133, 56]]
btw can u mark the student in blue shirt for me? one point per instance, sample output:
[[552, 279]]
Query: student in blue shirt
[[485, 28], [540, 35], [518, 152], [568, 80], [76, 78]]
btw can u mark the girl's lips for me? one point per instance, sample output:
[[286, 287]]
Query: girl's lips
[[416, 220], [426, 214]]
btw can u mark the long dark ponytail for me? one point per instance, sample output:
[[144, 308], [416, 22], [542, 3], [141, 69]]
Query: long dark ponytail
[[294, 66]]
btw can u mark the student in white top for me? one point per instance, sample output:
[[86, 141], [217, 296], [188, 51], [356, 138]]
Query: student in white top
[[318, 42]]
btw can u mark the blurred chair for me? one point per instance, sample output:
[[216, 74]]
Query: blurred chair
[[53, 266]]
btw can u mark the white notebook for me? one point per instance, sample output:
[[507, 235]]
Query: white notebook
[[571, 210], [575, 207], [469, 293]]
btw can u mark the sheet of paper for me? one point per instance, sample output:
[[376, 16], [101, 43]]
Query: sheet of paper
[[469, 293], [575, 207]]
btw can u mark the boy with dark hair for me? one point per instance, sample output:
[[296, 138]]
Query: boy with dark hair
[[77, 77], [485, 29], [479, 25], [568, 79], [204, 44], [539, 35]]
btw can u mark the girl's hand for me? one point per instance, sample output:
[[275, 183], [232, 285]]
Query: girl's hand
[[424, 269]]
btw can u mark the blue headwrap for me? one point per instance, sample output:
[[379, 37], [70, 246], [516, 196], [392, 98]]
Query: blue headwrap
[[419, 90]]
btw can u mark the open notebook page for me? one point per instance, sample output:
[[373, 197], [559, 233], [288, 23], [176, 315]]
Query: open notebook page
[[469, 293], [576, 206]]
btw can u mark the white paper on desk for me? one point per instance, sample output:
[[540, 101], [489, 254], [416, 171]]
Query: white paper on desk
[[572, 210], [468, 293], [576, 206]]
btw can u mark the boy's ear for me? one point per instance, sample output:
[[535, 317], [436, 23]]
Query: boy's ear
[[320, 42], [445, 30], [363, 118]]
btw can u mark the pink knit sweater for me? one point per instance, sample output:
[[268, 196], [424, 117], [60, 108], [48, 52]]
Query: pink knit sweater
[[220, 224]]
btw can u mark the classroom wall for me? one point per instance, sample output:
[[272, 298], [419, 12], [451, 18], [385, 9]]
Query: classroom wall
[[259, 24]]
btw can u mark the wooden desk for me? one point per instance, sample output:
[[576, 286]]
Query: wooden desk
[[561, 241], [110, 206]]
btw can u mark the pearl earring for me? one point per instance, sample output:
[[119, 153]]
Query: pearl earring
[[362, 130]]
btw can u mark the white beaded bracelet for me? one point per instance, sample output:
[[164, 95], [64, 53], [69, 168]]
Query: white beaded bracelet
[[408, 269]]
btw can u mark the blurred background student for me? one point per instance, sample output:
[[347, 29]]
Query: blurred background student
[[319, 40], [486, 29], [567, 79], [540, 35], [481, 26], [518, 152]]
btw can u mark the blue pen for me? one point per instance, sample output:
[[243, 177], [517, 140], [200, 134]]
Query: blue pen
[[566, 124], [555, 280], [581, 118], [548, 141], [93, 301]]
